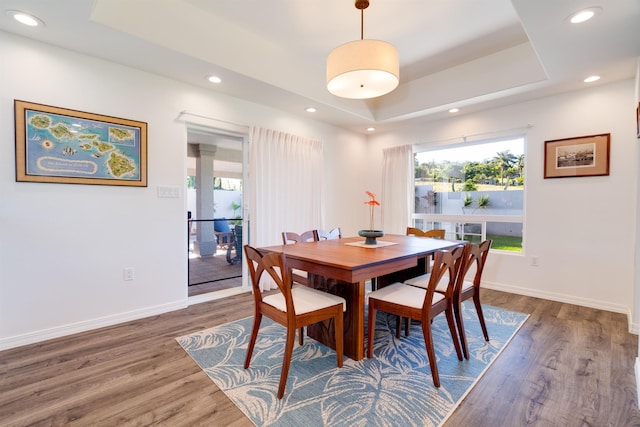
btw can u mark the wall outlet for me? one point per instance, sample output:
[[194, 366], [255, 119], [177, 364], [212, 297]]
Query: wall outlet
[[535, 261], [128, 273]]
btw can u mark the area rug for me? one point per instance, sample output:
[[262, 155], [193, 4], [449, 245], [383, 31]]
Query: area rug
[[394, 388]]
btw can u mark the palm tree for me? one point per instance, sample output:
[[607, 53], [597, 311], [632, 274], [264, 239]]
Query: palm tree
[[520, 165], [504, 160]]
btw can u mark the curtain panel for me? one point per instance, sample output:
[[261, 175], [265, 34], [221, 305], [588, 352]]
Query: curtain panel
[[285, 175], [397, 188]]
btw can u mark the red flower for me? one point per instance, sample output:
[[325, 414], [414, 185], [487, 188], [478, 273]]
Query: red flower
[[371, 202]]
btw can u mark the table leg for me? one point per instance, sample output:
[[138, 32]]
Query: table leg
[[354, 320]]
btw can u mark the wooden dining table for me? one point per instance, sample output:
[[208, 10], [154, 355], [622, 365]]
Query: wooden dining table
[[342, 266]]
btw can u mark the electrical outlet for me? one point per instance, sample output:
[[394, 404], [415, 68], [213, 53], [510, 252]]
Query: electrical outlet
[[128, 273], [535, 261]]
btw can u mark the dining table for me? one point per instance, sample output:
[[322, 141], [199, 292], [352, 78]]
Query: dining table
[[343, 266]]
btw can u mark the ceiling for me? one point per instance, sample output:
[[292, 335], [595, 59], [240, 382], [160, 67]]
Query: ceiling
[[469, 54]]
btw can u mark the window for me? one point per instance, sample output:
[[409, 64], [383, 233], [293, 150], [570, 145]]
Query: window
[[474, 191]]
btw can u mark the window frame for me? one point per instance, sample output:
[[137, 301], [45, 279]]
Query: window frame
[[457, 220]]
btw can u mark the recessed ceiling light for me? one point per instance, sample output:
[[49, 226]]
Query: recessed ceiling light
[[25, 18], [584, 15], [454, 110], [371, 129], [310, 110], [214, 79], [591, 79]]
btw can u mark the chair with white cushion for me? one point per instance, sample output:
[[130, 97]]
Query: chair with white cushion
[[421, 304], [476, 257], [292, 307], [434, 234], [471, 289], [336, 233], [289, 237]]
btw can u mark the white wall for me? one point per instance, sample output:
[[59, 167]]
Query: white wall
[[63, 247], [582, 229]]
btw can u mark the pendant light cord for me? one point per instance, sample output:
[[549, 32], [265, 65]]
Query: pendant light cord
[[361, 5]]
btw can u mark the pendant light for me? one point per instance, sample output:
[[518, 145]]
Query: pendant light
[[362, 69]]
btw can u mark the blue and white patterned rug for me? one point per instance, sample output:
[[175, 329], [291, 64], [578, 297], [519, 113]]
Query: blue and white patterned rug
[[394, 388]]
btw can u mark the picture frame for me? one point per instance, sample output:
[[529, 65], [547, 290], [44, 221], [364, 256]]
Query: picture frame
[[638, 120], [60, 145], [577, 157]]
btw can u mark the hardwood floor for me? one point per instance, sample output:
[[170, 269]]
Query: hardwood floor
[[568, 366]]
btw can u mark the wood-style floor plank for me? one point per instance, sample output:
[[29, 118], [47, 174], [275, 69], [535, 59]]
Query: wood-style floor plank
[[568, 366]]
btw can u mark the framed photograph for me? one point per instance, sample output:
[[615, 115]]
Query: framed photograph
[[638, 120], [580, 156], [59, 145]]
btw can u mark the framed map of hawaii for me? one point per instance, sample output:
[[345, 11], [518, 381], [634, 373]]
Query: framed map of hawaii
[[66, 146]]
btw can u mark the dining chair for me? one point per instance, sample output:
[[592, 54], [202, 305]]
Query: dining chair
[[435, 233], [288, 238], [336, 233], [475, 257], [294, 307], [421, 304]]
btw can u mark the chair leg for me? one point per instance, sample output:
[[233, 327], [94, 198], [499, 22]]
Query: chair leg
[[339, 336], [476, 302], [371, 321], [252, 341], [301, 336], [452, 330], [428, 342], [457, 310], [407, 326], [286, 361]]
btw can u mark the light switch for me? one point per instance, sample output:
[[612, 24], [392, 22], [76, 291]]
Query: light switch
[[168, 191]]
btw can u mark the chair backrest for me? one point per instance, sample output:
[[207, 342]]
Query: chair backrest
[[470, 258], [435, 234], [291, 237], [446, 263], [275, 264], [475, 256], [482, 259], [336, 233]]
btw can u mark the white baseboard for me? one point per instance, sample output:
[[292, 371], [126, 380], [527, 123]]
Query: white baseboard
[[46, 334], [569, 299], [74, 328]]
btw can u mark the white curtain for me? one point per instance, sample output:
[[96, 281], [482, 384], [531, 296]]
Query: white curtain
[[285, 178], [397, 188]]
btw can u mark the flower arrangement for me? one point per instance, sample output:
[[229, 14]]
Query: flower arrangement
[[372, 202]]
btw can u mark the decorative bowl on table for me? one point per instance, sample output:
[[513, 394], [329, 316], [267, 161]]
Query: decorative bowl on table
[[371, 236]]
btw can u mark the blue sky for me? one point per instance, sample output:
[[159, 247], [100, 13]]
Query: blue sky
[[476, 152]]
